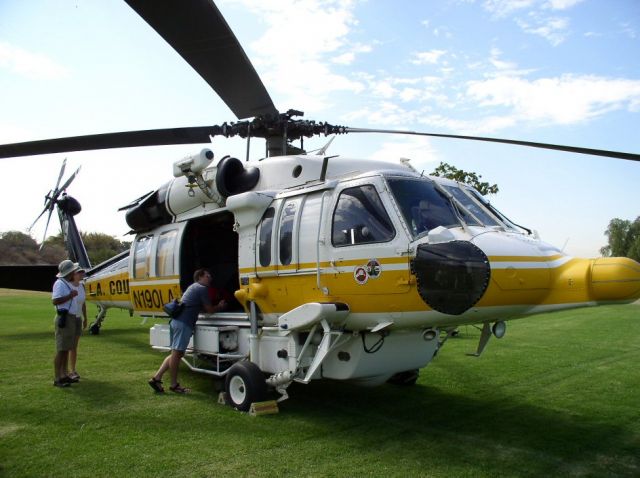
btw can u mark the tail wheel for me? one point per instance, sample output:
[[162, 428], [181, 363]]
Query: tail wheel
[[244, 385]]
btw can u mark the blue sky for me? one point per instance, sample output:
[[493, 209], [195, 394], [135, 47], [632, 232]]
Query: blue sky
[[559, 71]]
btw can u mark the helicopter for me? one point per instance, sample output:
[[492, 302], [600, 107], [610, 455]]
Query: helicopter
[[340, 268]]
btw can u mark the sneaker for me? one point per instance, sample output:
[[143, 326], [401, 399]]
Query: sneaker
[[69, 380], [61, 384], [74, 376]]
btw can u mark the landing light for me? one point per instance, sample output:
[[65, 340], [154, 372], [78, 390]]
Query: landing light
[[429, 334], [499, 329]]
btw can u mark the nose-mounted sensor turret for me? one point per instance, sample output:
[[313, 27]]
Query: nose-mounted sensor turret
[[451, 276]]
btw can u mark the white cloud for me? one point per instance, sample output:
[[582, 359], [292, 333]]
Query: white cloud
[[503, 67], [442, 31], [499, 64], [409, 94], [348, 57], [301, 73], [501, 8], [29, 64], [561, 100], [553, 29], [345, 58], [416, 148], [628, 30], [427, 57], [482, 125], [561, 4], [385, 113]]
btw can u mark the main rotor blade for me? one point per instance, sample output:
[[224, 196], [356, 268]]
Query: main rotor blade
[[199, 33], [557, 147], [127, 139]]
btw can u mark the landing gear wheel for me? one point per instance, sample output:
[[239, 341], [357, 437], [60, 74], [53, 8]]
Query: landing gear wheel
[[405, 379], [244, 385], [94, 329]]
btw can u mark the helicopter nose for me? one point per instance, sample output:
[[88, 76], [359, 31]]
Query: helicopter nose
[[615, 279], [451, 276]]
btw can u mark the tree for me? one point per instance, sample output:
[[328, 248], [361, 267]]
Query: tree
[[624, 239], [446, 170], [100, 247], [21, 249]]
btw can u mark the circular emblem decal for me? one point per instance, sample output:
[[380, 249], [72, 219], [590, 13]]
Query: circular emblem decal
[[373, 268], [360, 275]]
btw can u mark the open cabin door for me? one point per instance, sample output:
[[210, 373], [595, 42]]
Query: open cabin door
[[211, 242], [154, 268]]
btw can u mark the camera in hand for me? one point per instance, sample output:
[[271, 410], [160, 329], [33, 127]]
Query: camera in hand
[[62, 318]]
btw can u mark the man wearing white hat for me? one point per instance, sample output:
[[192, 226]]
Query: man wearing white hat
[[65, 322]]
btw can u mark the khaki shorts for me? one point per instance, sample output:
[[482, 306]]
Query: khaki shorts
[[65, 337], [78, 326]]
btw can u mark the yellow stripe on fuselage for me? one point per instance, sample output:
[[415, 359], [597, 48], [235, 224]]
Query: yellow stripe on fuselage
[[535, 282]]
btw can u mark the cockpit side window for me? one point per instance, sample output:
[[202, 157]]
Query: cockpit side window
[[141, 257], [286, 232], [360, 218], [423, 206], [266, 228], [487, 204], [165, 253]]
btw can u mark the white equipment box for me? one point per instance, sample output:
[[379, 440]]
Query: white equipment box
[[206, 338]]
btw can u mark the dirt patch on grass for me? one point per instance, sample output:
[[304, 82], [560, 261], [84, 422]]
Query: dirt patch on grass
[[8, 429]]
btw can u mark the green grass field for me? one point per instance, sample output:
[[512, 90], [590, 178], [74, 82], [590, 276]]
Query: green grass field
[[558, 396]]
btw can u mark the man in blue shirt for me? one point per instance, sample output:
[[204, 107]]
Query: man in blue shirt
[[194, 300]]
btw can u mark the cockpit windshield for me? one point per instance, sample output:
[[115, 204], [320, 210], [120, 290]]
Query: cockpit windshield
[[423, 206], [475, 208]]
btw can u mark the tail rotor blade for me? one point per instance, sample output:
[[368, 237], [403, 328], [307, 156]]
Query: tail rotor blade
[[37, 218], [64, 165], [44, 236], [67, 182]]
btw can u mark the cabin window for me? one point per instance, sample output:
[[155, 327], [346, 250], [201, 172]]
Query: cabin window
[[360, 218], [141, 257], [266, 227], [165, 252], [286, 232]]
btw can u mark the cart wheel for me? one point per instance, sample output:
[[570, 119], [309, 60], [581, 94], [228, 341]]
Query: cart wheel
[[410, 377], [244, 385]]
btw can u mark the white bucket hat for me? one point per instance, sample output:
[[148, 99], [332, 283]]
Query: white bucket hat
[[66, 267]]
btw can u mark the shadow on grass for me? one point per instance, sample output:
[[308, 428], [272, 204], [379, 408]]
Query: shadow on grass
[[491, 425]]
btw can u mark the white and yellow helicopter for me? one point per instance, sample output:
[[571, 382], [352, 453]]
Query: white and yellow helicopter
[[344, 269]]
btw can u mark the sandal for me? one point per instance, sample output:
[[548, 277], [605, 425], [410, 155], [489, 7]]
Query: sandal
[[74, 376], [178, 389], [156, 385]]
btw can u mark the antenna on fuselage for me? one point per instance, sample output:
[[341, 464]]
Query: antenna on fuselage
[[323, 150]]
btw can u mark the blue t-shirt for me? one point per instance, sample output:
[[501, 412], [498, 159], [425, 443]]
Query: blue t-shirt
[[193, 299]]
